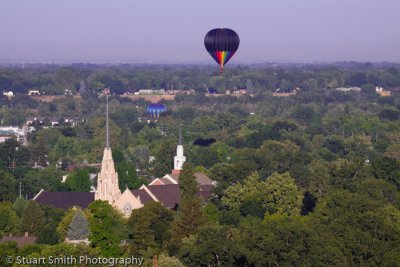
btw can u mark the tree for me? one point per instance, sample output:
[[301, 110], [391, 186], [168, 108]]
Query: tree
[[32, 219], [303, 114], [277, 194], [62, 227], [148, 228], [9, 219], [52, 217], [388, 169], [19, 205], [167, 261], [213, 245], [235, 194], [79, 227], [190, 215], [79, 181], [8, 186], [368, 229], [107, 228], [276, 156], [127, 176]]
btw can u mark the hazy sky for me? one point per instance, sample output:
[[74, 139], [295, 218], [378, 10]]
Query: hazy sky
[[173, 30]]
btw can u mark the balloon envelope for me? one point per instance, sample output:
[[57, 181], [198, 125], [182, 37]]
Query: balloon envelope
[[155, 109], [222, 44]]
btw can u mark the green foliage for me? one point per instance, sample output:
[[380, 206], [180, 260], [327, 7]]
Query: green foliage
[[62, 227], [148, 227], [325, 139], [167, 261], [213, 245], [368, 229], [388, 169], [19, 205], [190, 216], [53, 216], [48, 179], [32, 219], [8, 186], [7, 249], [9, 219], [127, 176], [107, 229], [79, 181], [278, 194]]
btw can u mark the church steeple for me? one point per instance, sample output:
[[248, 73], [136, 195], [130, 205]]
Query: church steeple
[[107, 129], [179, 159], [107, 178]]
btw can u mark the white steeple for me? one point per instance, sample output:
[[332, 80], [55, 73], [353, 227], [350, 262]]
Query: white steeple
[[107, 178], [179, 159]]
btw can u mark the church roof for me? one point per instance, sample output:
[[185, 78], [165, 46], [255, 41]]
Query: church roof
[[169, 195], [144, 196], [65, 200]]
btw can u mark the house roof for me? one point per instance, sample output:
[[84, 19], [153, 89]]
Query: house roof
[[65, 200], [161, 181], [174, 176], [201, 178], [170, 195], [20, 240]]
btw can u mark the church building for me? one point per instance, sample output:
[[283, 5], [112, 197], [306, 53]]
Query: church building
[[164, 190]]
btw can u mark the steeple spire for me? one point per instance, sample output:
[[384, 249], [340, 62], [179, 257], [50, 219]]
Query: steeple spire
[[107, 129], [180, 135]]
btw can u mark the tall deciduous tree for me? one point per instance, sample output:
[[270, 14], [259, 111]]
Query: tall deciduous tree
[[32, 219], [8, 186], [79, 181], [282, 194], [9, 219], [107, 228], [48, 233], [19, 205], [148, 227]]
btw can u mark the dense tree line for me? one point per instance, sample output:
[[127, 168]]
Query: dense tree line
[[310, 179]]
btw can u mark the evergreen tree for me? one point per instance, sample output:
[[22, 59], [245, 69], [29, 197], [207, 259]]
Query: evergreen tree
[[190, 216], [79, 227], [62, 227], [32, 218]]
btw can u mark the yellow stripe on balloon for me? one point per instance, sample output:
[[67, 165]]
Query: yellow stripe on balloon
[[223, 57]]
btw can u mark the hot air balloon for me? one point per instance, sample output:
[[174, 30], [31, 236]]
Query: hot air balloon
[[155, 109], [221, 44]]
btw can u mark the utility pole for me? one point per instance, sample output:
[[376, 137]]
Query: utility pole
[[20, 189]]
